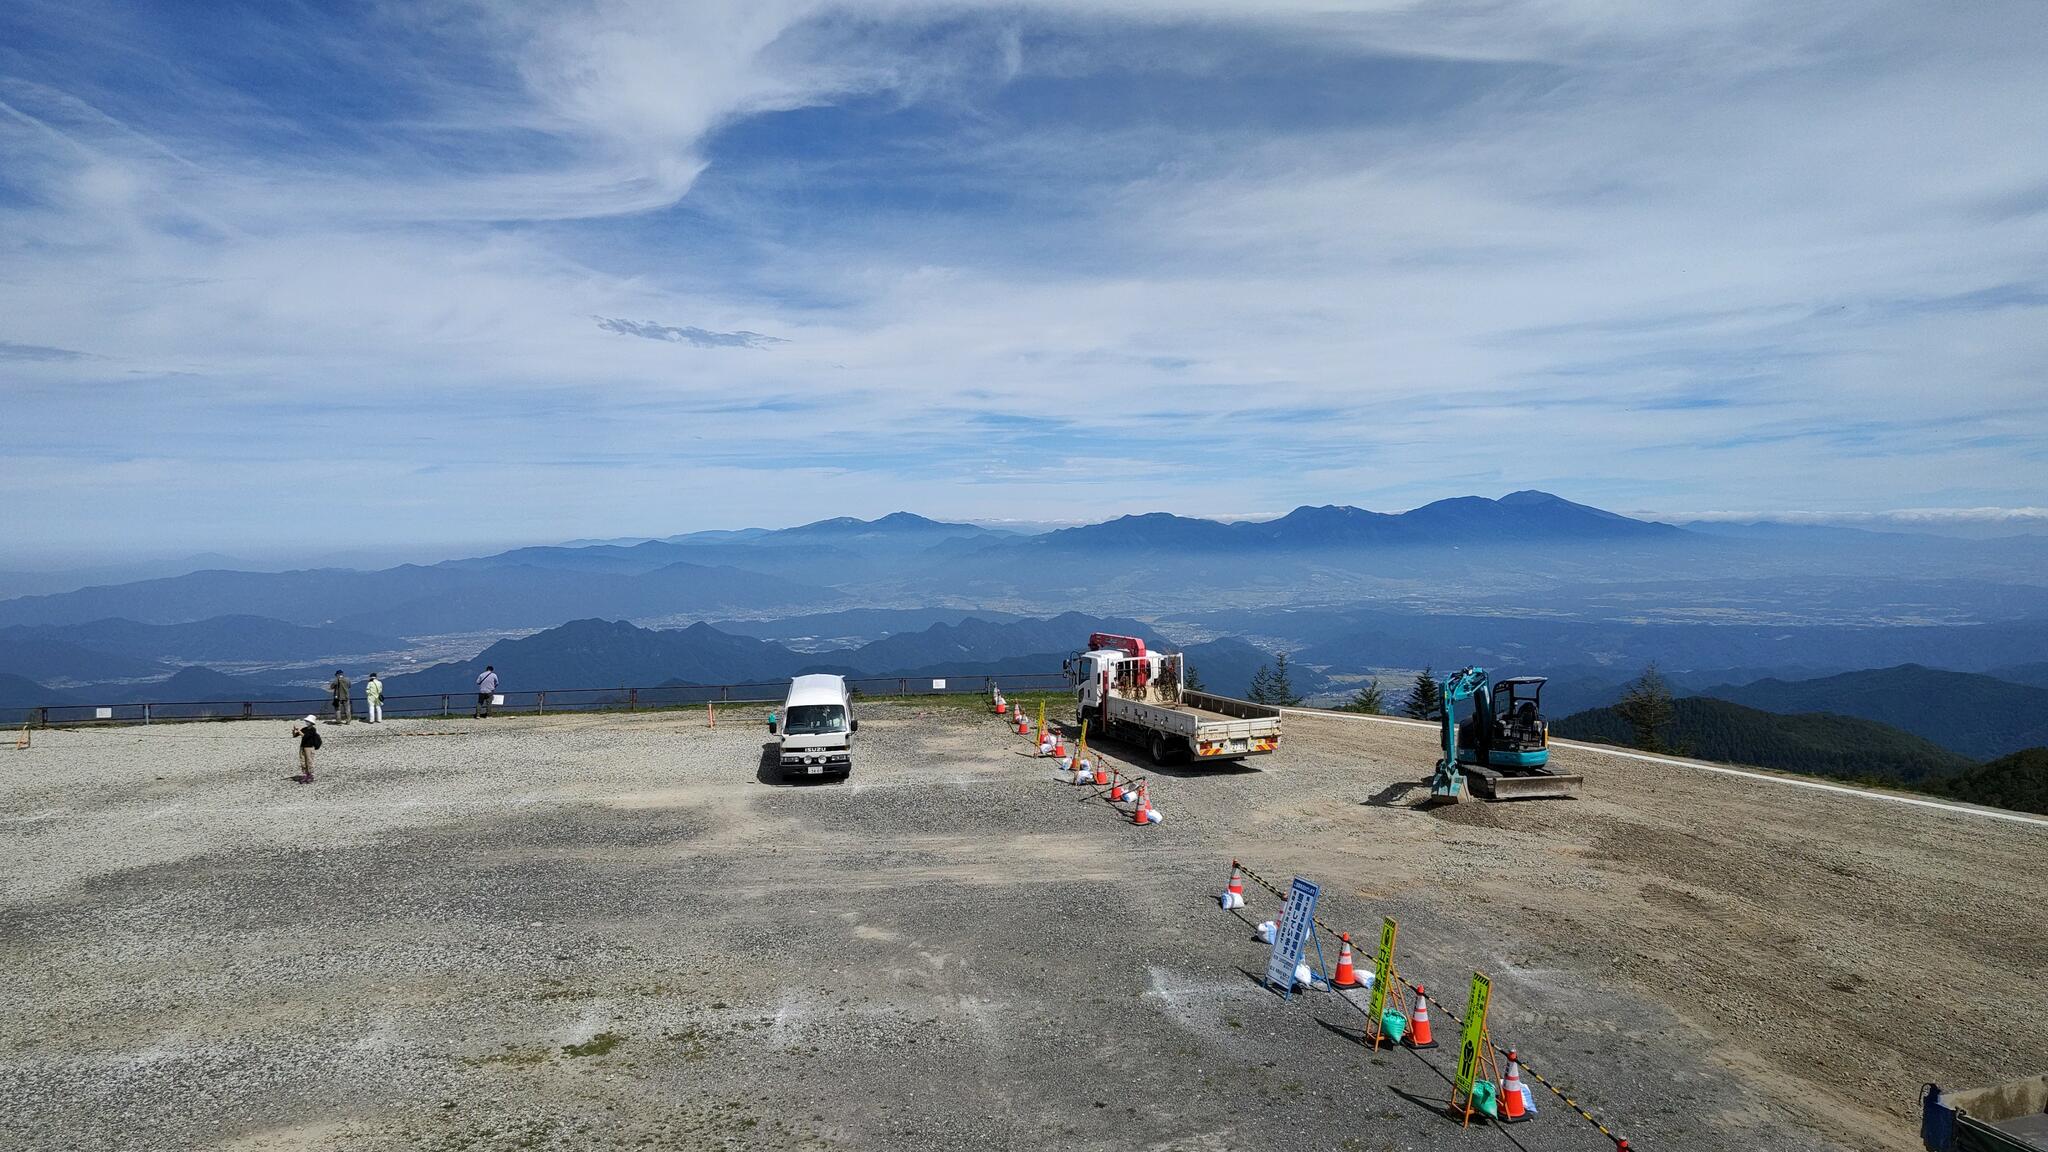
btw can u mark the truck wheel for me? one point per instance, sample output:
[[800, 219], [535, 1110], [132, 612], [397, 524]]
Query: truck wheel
[[1159, 750]]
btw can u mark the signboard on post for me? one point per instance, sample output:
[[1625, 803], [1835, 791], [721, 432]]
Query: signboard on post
[[1471, 1044], [938, 685], [1382, 975], [1292, 935]]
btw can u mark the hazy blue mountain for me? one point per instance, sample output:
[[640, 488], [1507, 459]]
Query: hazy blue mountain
[[195, 683], [21, 692], [853, 627], [416, 600], [1525, 516], [2033, 675], [895, 527], [1818, 743], [1152, 531], [221, 638], [974, 641], [1979, 716], [607, 653], [36, 654], [1226, 667]]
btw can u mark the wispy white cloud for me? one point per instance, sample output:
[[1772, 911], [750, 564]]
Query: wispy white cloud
[[1647, 255]]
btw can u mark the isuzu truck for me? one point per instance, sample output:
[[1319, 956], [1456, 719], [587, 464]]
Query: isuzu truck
[[1127, 693]]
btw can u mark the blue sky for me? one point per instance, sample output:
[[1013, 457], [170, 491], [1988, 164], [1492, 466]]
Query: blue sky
[[371, 274]]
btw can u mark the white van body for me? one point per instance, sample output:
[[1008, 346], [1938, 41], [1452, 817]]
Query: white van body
[[816, 727]]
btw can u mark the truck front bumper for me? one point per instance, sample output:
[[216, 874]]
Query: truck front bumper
[[816, 763]]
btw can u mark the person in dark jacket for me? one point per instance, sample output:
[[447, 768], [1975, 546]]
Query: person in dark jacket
[[338, 688], [307, 732]]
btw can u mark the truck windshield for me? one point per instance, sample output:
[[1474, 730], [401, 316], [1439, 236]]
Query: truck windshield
[[815, 719]]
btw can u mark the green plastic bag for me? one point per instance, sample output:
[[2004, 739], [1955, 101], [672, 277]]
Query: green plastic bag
[[1393, 1025], [1483, 1098]]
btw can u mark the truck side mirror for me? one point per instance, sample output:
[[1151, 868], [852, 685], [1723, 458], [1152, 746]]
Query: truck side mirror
[[854, 726]]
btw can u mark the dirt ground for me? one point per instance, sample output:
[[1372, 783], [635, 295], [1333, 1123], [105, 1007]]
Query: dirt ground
[[629, 931]]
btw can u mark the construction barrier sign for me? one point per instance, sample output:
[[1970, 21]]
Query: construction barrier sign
[[1382, 974], [1474, 1038], [1292, 935]]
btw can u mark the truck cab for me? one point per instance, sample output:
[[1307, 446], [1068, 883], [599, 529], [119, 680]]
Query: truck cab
[[815, 727]]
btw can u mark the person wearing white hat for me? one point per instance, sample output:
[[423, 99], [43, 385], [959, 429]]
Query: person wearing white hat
[[307, 732]]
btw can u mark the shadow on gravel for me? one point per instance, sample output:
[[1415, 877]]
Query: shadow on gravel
[[1394, 795], [770, 771]]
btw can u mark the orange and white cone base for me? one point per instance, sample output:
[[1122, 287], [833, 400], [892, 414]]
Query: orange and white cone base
[[1346, 976], [1418, 1028], [1513, 1107], [1233, 896]]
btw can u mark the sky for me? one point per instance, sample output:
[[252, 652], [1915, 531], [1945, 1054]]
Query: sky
[[387, 275]]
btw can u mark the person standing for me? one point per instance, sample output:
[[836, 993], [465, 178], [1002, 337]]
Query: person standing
[[307, 733], [486, 688], [373, 698], [338, 688]]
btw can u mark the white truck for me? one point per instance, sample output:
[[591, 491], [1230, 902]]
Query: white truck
[[1124, 692], [816, 726]]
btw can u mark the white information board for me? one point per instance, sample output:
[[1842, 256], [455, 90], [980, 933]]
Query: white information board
[[938, 685], [1292, 937]]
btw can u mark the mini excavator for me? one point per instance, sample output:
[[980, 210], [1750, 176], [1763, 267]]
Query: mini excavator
[[1503, 747]]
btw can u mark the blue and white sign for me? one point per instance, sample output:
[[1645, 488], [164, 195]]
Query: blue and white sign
[[1292, 935]]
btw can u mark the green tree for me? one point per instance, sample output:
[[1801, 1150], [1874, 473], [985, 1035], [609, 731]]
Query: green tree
[[1191, 680], [1262, 686], [1280, 688], [1368, 699], [1426, 699], [1646, 706]]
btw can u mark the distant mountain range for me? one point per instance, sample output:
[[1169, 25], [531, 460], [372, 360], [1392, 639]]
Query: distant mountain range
[[1980, 717], [1822, 744], [115, 649], [602, 653], [1842, 746]]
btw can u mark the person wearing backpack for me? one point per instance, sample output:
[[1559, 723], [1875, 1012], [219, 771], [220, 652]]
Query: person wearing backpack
[[307, 732]]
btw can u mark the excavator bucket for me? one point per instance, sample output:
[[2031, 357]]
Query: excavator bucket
[[1537, 785]]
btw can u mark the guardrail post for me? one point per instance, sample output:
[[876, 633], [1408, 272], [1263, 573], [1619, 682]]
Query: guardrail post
[[725, 691], [540, 703], [632, 699], [444, 707], [42, 717], [145, 713], [248, 710]]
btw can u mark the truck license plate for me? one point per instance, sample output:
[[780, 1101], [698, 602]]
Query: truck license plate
[[815, 770]]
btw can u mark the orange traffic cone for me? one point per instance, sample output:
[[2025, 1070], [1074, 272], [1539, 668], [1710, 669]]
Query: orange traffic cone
[[1346, 976], [1513, 1109], [1059, 745], [1142, 814], [1116, 793], [1233, 896], [1101, 775], [1418, 1028]]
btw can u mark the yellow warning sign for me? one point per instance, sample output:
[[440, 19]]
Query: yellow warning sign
[[1473, 1042], [1382, 973]]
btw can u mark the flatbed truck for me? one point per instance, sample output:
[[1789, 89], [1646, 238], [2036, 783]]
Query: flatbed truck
[[1126, 693]]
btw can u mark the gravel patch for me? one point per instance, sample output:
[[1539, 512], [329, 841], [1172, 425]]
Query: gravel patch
[[628, 931]]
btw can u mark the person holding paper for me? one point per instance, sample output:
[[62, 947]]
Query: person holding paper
[[486, 687]]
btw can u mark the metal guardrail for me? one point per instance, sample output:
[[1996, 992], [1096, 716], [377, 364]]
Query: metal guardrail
[[538, 702]]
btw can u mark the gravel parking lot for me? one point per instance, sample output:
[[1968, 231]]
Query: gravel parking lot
[[626, 931]]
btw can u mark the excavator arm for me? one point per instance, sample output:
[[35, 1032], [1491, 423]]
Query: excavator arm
[[1468, 684]]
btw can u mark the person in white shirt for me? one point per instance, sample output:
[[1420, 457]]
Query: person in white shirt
[[373, 698], [486, 688]]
